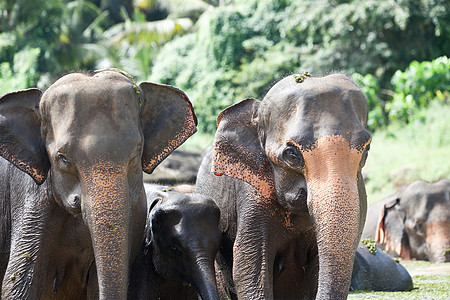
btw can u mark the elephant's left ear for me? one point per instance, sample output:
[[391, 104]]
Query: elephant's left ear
[[237, 149], [169, 120], [21, 142]]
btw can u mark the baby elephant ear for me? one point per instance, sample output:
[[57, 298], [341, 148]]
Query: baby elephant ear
[[237, 150], [169, 120], [21, 142]]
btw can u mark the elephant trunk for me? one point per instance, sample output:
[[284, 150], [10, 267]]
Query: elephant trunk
[[106, 211], [334, 205], [204, 279]]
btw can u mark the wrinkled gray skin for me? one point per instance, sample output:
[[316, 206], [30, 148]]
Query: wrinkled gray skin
[[292, 197], [182, 239], [378, 272], [416, 223], [71, 196]]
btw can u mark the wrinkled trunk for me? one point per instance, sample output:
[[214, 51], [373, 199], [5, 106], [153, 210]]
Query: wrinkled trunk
[[333, 203], [204, 279], [106, 210]]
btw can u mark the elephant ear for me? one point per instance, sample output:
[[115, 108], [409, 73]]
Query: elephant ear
[[169, 120], [21, 142], [148, 226], [380, 232], [237, 149]]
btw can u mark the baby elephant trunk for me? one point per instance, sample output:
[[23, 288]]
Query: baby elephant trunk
[[204, 279]]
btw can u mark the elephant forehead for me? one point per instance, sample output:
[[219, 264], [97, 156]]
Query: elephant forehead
[[87, 96], [315, 108], [77, 100]]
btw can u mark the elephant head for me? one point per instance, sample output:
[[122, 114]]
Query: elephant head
[[304, 146], [417, 224], [88, 138], [183, 235]]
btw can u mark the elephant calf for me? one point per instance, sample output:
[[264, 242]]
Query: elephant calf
[[182, 239], [378, 272]]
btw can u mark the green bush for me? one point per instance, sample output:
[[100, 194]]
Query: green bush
[[416, 86], [371, 89], [245, 47], [22, 73]]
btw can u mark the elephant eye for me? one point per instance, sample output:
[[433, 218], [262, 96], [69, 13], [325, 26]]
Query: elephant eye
[[175, 249], [293, 156], [61, 157]]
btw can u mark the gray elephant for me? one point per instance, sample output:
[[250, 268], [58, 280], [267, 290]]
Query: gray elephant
[[182, 239], [292, 197], [416, 223], [373, 270], [72, 196]]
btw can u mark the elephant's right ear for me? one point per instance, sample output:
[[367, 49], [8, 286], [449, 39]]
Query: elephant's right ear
[[21, 142], [380, 232], [237, 149], [148, 226], [169, 120]]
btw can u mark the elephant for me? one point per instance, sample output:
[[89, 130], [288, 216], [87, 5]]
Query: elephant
[[182, 239], [72, 195], [377, 271], [286, 174], [416, 223]]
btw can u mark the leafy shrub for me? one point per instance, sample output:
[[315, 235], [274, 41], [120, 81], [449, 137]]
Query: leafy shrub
[[371, 89], [245, 47], [22, 73], [416, 86]]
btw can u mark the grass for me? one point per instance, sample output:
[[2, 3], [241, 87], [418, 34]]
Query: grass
[[403, 153], [426, 284]]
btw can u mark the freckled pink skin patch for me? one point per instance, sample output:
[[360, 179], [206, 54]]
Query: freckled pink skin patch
[[331, 167]]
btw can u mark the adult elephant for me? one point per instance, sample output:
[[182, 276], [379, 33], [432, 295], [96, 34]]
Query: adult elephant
[[416, 223], [72, 193], [182, 239], [293, 200]]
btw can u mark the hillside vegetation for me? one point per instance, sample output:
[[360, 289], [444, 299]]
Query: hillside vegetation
[[401, 153]]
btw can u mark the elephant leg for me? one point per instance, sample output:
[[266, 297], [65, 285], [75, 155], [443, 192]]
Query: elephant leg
[[23, 275], [253, 256]]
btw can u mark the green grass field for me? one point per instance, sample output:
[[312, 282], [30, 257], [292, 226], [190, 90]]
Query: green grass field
[[431, 281]]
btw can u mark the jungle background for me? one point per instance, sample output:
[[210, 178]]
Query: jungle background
[[222, 51]]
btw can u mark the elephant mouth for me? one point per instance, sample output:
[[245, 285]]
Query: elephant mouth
[[296, 203], [73, 204]]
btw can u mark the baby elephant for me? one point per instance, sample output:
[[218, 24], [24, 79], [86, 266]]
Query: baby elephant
[[376, 271], [182, 239]]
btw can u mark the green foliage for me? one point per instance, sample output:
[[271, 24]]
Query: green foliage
[[417, 85], [22, 73], [242, 49], [417, 150], [371, 89], [371, 245]]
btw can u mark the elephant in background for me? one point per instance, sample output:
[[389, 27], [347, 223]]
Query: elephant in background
[[71, 190], [182, 240], [292, 197], [416, 223], [378, 272]]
